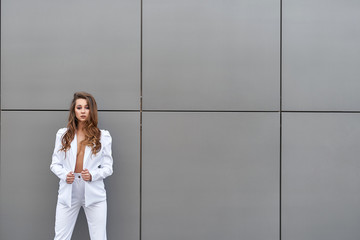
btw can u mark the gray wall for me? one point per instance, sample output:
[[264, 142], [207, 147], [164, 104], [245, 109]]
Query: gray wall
[[230, 119]]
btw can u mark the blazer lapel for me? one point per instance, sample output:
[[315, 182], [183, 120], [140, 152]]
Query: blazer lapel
[[73, 153], [86, 155]]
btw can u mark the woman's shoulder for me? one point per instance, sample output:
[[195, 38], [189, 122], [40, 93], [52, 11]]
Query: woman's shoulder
[[105, 136], [61, 131], [105, 133]]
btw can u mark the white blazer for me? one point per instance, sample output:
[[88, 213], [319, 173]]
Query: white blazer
[[99, 166]]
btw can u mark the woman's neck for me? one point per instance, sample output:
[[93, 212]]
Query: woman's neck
[[80, 127]]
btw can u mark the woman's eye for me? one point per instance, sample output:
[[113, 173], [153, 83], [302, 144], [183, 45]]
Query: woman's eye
[[79, 108]]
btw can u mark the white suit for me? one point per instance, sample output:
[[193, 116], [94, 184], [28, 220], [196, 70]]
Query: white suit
[[99, 166], [90, 195]]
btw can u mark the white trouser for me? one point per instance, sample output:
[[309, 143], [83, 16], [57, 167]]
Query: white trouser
[[66, 216]]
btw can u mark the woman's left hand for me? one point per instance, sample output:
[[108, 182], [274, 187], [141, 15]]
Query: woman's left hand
[[85, 174]]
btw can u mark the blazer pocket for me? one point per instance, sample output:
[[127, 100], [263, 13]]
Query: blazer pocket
[[96, 189], [64, 193]]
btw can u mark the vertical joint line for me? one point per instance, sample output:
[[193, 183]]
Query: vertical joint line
[[280, 150], [141, 104]]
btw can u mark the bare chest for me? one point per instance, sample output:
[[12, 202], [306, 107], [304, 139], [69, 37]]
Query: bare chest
[[80, 154]]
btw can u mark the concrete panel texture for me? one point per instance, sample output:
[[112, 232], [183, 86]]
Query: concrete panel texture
[[321, 55], [205, 170], [321, 177], [50, 48], [230, 119], [218, 55]]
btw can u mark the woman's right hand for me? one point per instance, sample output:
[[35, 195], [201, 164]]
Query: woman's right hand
[[70, 177]]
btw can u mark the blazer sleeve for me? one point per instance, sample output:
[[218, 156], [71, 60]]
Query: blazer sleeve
[[106, 168], [58, 157]]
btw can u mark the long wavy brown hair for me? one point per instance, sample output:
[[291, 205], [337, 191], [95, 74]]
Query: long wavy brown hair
[[92, 132]]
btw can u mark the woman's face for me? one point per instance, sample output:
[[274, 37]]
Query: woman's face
[[82, 110]]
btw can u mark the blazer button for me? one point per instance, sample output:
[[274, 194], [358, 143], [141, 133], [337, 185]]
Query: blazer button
[[79, 176]]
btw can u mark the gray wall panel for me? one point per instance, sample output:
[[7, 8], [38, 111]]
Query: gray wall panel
[[49, 49], [211, 55], [28, 188], [321, 55], [321, 178], [210, 176], [124, 185]]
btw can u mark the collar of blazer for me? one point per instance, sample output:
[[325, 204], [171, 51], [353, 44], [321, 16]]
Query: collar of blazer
[[74, 153]]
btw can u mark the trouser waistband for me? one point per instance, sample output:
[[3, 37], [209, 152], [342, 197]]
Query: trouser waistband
[[77, 176]]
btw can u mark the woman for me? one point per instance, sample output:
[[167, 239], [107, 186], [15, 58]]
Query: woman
[[82, 159]]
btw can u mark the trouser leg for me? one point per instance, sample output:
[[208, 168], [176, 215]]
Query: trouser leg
[[66, 216], [65, 221], [96, 218]]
